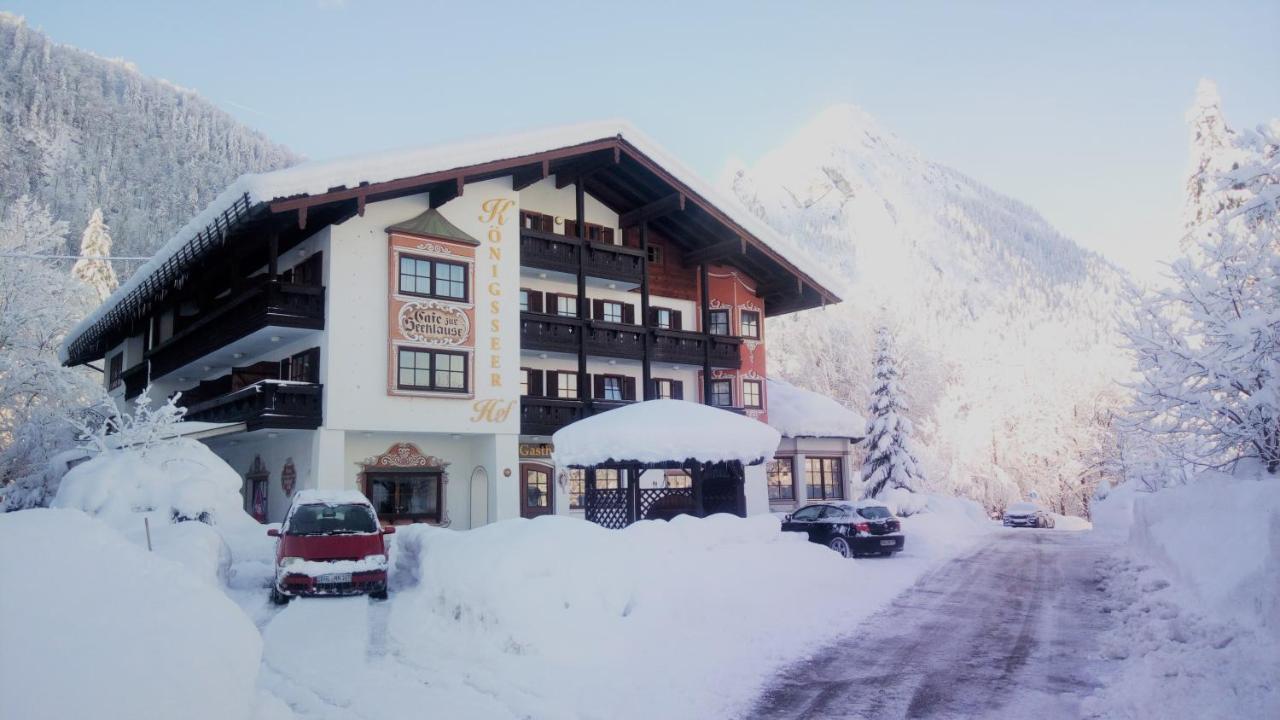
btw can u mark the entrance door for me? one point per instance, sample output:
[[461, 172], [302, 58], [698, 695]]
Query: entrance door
[[537, 491]]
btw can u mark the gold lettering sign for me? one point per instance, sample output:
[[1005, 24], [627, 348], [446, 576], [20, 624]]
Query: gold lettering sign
[[535, 450], [433, 323], [491, 410]]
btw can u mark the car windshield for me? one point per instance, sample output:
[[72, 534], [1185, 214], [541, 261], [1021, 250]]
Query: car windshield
[[1022, 507], [875, 512], [340, 519]]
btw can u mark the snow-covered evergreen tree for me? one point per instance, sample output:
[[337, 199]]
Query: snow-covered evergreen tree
[[39, 301], [1213, 150], [1208, 348], [890, 461], [94, 268]]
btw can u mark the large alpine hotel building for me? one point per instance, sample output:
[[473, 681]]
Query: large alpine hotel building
[[416, 325]]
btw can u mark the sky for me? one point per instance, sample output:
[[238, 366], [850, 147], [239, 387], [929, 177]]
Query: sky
[[1075, 108]]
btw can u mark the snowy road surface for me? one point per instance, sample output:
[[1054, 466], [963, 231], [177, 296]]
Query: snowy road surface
[[1008, 630]]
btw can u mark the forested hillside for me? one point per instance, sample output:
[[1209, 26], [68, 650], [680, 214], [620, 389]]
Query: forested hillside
[[1006, 328], [79, 132]]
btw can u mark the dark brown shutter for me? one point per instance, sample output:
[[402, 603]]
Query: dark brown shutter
[[677, 389], [597, 387], [535, 301], [675, 320], [652, 320], [628, 313], [571, 228], [535, 384], [553, 307], [548, 223], [553, 384], [597, 309], [606, 235], [628, 388]]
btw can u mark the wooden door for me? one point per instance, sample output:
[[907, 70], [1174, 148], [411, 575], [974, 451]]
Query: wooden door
[[537, 490]]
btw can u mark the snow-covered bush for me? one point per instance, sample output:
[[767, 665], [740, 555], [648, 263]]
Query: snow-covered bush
[[98, 627]]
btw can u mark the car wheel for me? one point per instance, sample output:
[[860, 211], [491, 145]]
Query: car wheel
[[379, 594], [841, 546], [278, 597]]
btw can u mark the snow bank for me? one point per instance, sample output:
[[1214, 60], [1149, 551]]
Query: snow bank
[[560, 618], [663, 430], [1218, 537], [97, 627], [1196, 601], [796, 412]]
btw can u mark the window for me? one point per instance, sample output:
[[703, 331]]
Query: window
[[667, 389], [567, 385], [662, 318], [607, 479], [567, 305], [611, 312], [302, 367], [524, 300], [433, 278], [524, 382], [577, 487], [751, 394], [530, 220], [654, 254], [719, 322], [612, 387], [677, 479], [537, 490], [781, 486], [823, 478], [326, 519], [807, 514], [405, 496], [115, 371], [749, 320], [530, 300], [436, 370], [722, 393]]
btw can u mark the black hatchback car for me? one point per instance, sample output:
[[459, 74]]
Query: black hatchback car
[[849, 528]]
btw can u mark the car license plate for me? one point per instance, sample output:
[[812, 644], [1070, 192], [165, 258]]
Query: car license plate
[[334, 578], [888, 542]]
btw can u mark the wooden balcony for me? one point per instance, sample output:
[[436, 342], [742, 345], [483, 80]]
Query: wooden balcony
[[550, 251], [263, 304], [544, 416], [264, 404], [557, 333]]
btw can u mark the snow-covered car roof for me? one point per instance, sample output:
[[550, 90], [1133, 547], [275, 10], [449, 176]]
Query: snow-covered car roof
[[330, 497]]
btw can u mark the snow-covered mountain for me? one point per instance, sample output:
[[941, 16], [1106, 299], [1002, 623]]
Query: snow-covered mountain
[[78, 132], [1007, 326]]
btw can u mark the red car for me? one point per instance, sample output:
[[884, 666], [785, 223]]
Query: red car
[[330, 543]]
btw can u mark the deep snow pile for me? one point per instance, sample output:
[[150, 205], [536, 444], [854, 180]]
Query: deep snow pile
[[97, 627], [556, 617], [1196, 598], [796, 412]]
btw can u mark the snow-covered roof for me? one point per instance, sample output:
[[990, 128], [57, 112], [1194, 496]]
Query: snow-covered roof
[[797, 412], [316, 178], [657, 431]]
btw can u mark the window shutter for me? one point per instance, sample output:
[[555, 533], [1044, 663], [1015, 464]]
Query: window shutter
[[548, 223], [571, 228], [652, 320], [535, 384], [628, 388], [606, 235], [553, 384], [677, 389], [597, 309], [629, 314], [675, 320], [535, 301], [597, 386]]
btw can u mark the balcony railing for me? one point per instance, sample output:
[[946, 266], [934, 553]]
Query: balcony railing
[[266, 304], [550, 251], [558, 333], [264, 404], [544, 416]]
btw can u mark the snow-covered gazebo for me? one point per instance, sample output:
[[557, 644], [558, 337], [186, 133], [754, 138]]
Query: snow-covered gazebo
[[709, 444]]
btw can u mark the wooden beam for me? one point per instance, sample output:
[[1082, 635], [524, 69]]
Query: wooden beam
[[711, 253], [360, 204], [656, 209], [580, 169], [445, 192], [524, 177]]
